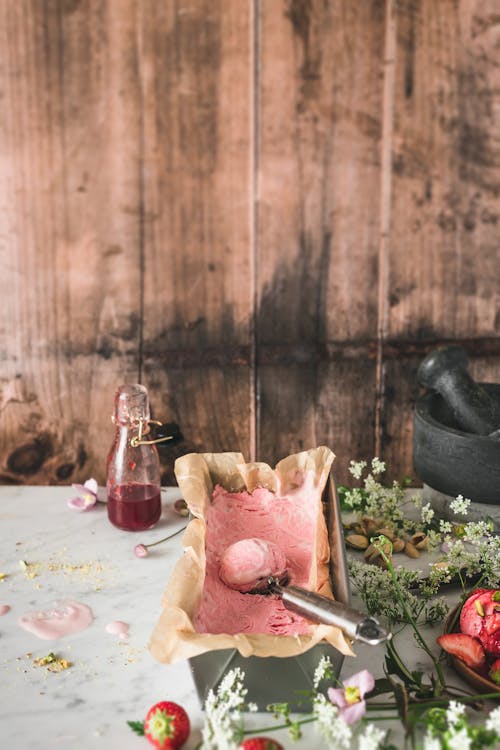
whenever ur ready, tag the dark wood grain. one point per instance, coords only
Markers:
(444, 256)
(267, 212)
(197, 84)
(320, 125)
(70, 194)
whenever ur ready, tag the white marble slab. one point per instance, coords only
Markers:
(83, 557)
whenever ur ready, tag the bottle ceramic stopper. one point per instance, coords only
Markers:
(445, 371)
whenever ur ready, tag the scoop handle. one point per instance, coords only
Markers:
(317, 608)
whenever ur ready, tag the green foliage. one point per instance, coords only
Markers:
(137, 727)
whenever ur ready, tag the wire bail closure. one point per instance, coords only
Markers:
(137, 439)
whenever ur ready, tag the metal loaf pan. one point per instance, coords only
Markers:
(273, 679)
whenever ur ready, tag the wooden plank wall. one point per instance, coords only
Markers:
(265, 211)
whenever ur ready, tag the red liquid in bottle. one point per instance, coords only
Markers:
(134, 507)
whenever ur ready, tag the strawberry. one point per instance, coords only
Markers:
(465, 647)
(480, 618)
(166, 726)
(260, 743)
(494, 672)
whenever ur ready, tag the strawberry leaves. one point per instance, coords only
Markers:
(137, 727)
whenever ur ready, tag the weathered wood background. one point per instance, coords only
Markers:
(265, 211)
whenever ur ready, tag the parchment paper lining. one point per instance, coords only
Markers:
(174, 637)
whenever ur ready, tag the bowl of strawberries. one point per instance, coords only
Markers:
(472, 640)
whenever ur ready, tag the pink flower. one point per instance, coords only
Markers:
(350, 699)
(141, 550)
(87, 495)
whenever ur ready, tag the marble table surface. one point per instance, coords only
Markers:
(81, 556)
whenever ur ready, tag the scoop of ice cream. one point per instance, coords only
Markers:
(480, 618)
(247, 564)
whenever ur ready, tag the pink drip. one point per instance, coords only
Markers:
(118, 628)
(4, 608)
(65, 619)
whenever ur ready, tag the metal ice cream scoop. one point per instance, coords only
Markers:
(317, 608)
(258, 566)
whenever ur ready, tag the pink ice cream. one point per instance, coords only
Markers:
(288, 521)
(480, 618)
(246, 565)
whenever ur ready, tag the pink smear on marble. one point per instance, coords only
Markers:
(4, 608)
(65, 618)
(118, 628)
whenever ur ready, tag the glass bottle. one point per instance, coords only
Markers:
(133, 466)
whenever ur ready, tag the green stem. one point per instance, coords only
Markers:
(411, 621)
(381, 706)
(165, 539)
(396, 717)
(279, 726)
(473, 698)
(392, 649)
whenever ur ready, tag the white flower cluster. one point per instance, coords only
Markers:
(324, 669)
(427, 513)
(493, 721)
(336, 733)
(380, 596)
(476, 552)
(356, 468)
(377, 501)
(458, 733)
(460, 505)
(454, 713)
(378, 466)
(223, 713)
(371, 738)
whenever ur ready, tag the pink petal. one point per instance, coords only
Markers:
(80, 488)
(78, 503)
(353, 713)
(140, 551)
(337, 697)
(363, 680)
(91, 486)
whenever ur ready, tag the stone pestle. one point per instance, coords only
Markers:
(445, 370)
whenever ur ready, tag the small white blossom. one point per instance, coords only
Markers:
(460, 739)
(324, 669)
(353, 498)
(252, 707)
(433, 538)
(223, 713)
(460, 505)
(444, 527)
(454, 712)
(427, 513)
(371, 738)
(333, 729)
(356, 468)
(378, 466)
(476, 531)
(493, 721)
(431, 743)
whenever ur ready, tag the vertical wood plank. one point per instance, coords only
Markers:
(69, 252)
(196, 74)
(320, 94)
(444, 254)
